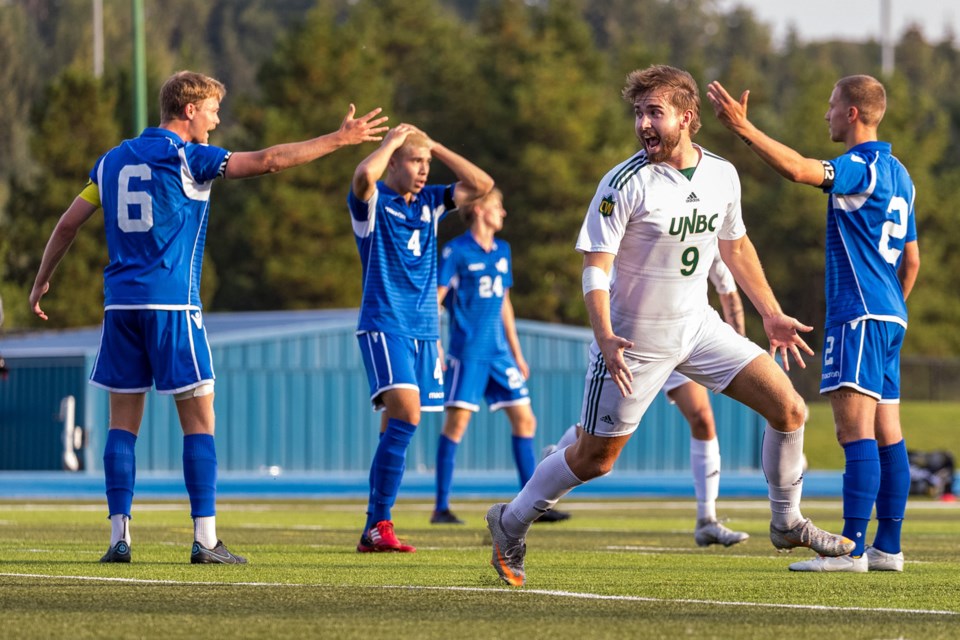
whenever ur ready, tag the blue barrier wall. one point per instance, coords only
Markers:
(292, 393)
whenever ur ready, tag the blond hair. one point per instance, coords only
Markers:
(867, 94)
(468, 210)
(412, 141)
(682, 91)
(187, 87)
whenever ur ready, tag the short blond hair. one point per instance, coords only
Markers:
(187, 87)
(867, 94)
(681, 88)
(468, 210)
(412, 141)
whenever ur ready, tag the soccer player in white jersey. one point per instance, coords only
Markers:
(694, 403)
(648, 240)
(872, 261)
(484, 358)
(154, 192)
(395, 226)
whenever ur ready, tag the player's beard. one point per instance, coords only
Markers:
(668, 142)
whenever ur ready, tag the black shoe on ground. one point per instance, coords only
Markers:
(445, 517)
(119, 552)
(218, 555)
(554, 516)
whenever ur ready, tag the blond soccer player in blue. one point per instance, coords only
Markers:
(154, 195)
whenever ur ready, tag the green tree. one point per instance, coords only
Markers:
(71, 130)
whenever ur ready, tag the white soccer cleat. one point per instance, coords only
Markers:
(848, 564)
(712, 532)
(879, 560)
(550, 449)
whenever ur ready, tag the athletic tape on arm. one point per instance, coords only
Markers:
(595, 278)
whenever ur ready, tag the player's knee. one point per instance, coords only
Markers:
(792, 414)
(701, 425)
(525, 426)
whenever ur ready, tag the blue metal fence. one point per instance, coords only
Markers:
(292, 394)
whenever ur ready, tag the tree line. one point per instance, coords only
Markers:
(529, 90)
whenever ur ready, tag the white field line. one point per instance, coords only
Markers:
(759, 504)
(519, 592)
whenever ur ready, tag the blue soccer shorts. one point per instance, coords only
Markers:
(140, 348)
(397, 362)
(863, 355)
(498, 381)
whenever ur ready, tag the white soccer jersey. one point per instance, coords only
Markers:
(663, 229)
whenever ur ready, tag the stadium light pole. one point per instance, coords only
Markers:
(886, 40)
(97, 38)
(139, 70)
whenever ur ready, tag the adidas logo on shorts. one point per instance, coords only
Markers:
(607, 419)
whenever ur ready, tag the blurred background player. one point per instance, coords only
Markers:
(694, 403)
(154, 192)
(395, 226)
(872, 261)
(484, 359)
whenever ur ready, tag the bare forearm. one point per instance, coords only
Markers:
(783, 159)
(473, 180)
(909, 268)
(246, 164)
(742, 260)
(732, 307)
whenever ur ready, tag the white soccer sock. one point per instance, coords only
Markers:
(552, 480)
(782, 461)
(568, 438)
(205, 531)
(119, 529)
(705, 464)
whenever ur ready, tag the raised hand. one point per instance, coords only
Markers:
(729, 111)
(366, 128)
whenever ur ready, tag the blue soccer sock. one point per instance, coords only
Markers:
(388, 465)
(446, 454)
(200, 474)
(861, 481)
(525, 458)
(892, 497)
(120, 470)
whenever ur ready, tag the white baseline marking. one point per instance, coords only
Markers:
(538, 592)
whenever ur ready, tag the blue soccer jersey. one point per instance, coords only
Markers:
(155, 194)
(397, 242)
(477, 280)
(869, 220)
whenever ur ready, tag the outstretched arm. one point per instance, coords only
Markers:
(786, 161)
(60, 240)
(741, 258)
(366, 128)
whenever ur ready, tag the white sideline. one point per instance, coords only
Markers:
(539, 592)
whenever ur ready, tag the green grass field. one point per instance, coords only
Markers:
(926, 426)
(616, 570)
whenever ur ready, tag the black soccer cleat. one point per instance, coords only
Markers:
(218, 555)
(445, 517)
(554, 516)
(119, 552)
